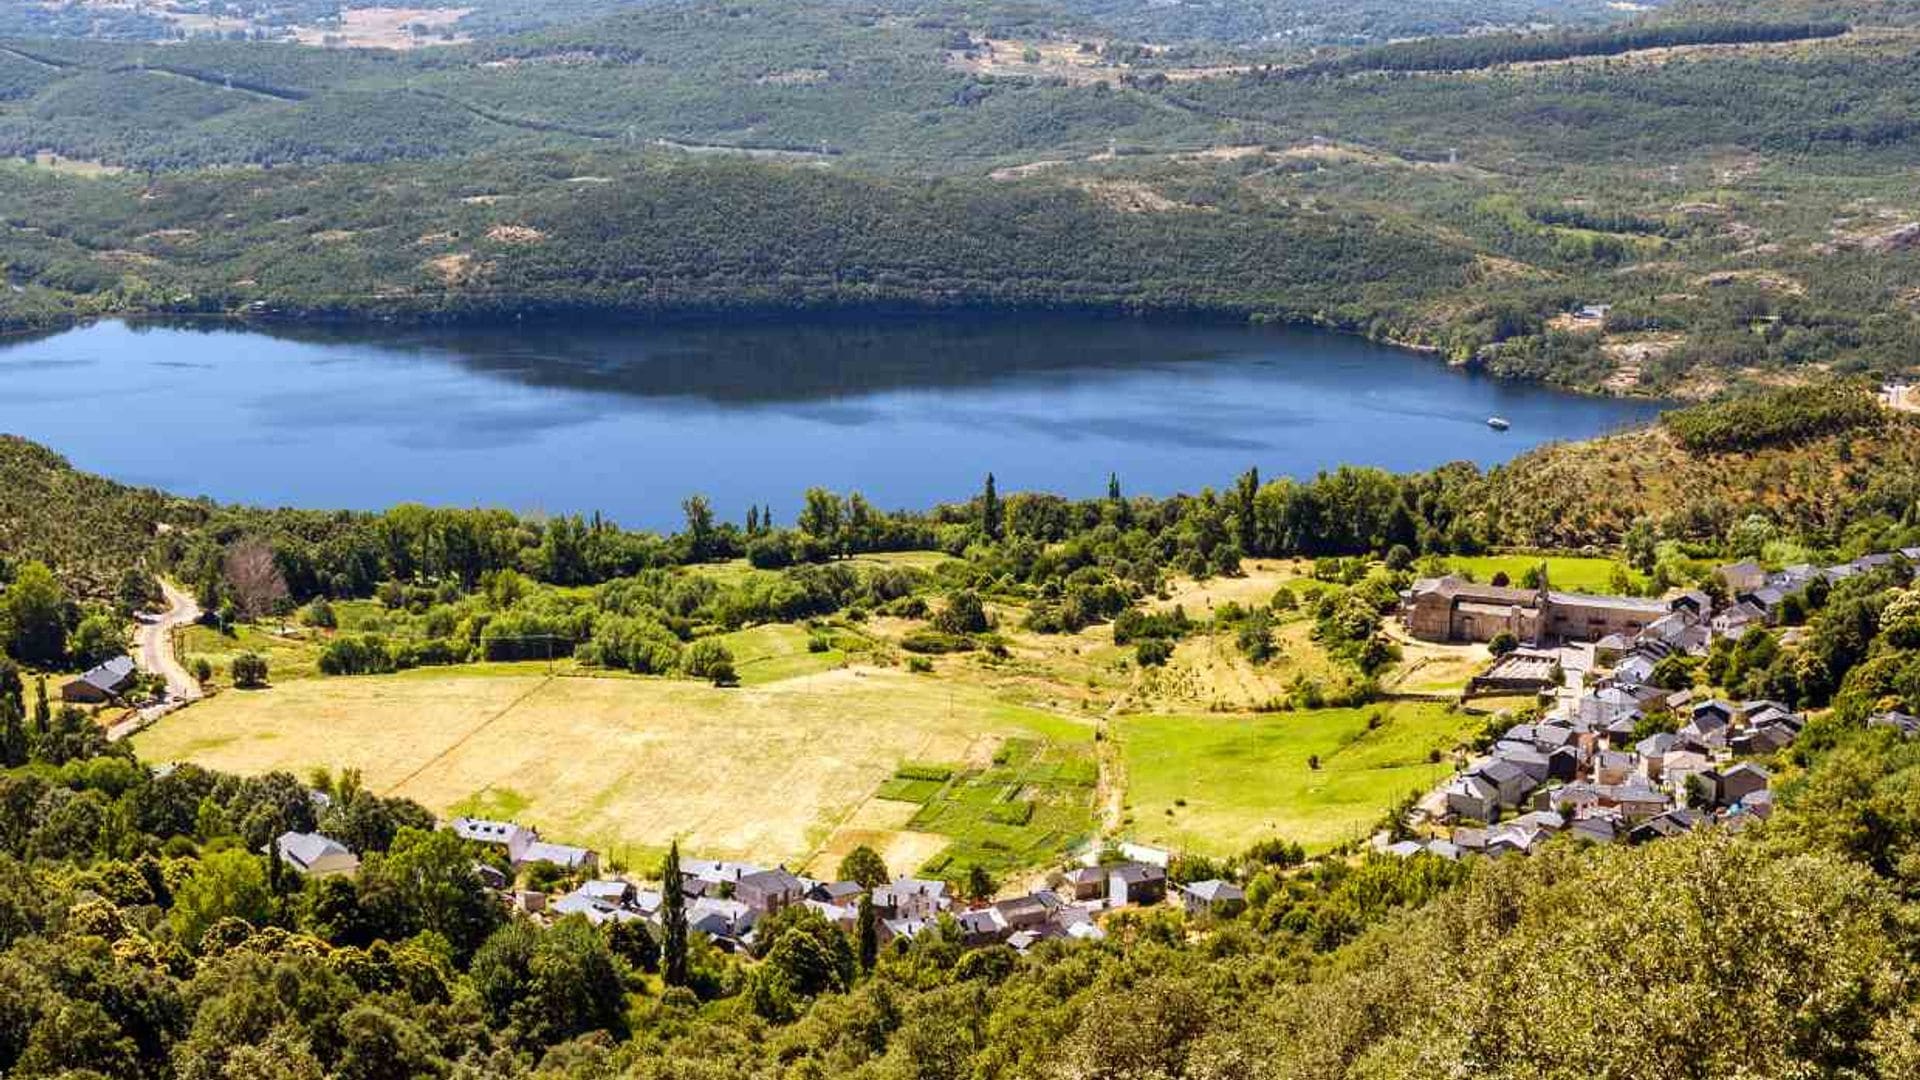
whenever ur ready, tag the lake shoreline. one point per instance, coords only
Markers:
(550, 314)
(630, 418)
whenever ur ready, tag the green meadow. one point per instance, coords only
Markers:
(1217, 783)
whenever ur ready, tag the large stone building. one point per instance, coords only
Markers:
(1455, 609)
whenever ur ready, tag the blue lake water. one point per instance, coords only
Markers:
(629, 420)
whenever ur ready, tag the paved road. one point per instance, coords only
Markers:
(153, 652)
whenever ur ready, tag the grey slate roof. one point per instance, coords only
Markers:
(110, 677)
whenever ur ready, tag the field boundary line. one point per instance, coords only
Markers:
(464, 739)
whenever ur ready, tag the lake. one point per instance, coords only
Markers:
(630, 419)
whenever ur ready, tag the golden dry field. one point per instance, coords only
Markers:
(777, 772)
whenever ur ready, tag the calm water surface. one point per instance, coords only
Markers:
(629, 420)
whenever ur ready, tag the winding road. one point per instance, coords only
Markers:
(153, 652)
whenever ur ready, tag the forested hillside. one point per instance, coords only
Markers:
(1723, 186)
(566, 233)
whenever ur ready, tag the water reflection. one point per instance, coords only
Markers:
(630, 419)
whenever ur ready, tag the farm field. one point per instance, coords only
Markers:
(767, 772)
(1245, 777)
(1570, 573)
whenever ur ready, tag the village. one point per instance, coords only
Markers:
(1612, 754)
(726, 900)
(1607, 755)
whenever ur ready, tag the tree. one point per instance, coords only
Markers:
(673, 920)
(812, 956)
(136, 591)
(1642, 545)
(631, 941)
(225, 884)
(253, 577)
(866, 933)
(864, 867)
(14, 747)
(709, 659)
(555, 984)
(1246, 491)
(820, 517)
(33, 617)
(70, 735)
(992, 514)
(1256, 637)
(963, 614)
(96, 640)
(700, 532)
(426, 882)
(12, 687)
(980, 884)
(42, 710)
(249, 671)
(1619, 582)
(1503, 643)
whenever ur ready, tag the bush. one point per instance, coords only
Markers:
(709, 659)
(964, 614)
(934, 642)
(1153, 652)
(249, 671)
(1503, 643)
(356, 655)
(320, 614)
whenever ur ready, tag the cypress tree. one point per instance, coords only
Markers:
(990, 512)
(867, 933)
(1245, 493)
(14, 750)
(673, 920)
(42, 712)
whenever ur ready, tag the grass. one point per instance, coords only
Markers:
(288, 658)
(776, 651)
(774, 772)
(1571, 573)
(1230, 780)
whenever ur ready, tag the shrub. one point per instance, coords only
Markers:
(709, 659)
(1153, 652)
(249, 671)
(320, 614)
(934, 642)
(964, 614)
